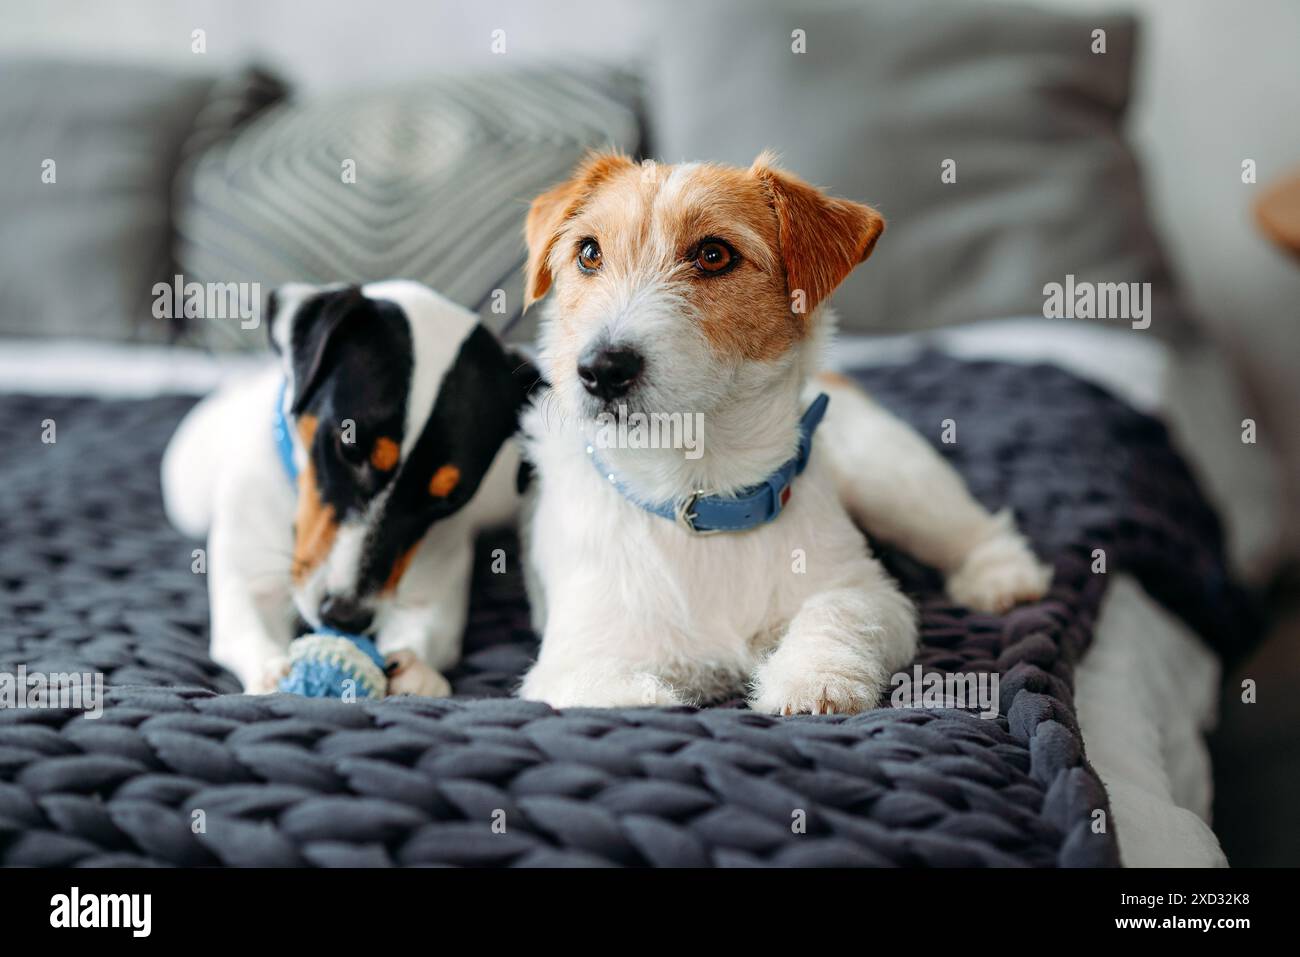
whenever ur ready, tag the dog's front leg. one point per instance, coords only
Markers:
(252, 608)
(580, 667)
(901, 491)
(840, 650)
(422, 633)
(592, 685)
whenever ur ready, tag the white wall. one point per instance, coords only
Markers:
(327, 44)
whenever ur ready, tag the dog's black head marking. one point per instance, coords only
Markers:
(352, 363)
(352, 368)
(476, 411)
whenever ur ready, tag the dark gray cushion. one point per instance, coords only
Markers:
(444, 171)
(883, 95)
(79, 256)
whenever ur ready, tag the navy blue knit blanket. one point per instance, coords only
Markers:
(181, 769)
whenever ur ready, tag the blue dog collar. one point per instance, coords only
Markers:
(283, 438)
(757, 505)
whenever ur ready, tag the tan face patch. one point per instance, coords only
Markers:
(315, 527)
(384, 454)
(548, 212)
(444, 481)
(315, 524)
(307, 430)
(650, 222)
(793, 243)
(399, 569)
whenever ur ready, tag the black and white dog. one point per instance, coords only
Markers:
(346, 483)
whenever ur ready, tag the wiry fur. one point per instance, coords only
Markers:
(636, 610)
(222, 475)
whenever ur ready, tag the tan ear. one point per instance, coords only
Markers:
(822, 238)
(550, 211)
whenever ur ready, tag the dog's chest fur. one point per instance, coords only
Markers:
(695, 603)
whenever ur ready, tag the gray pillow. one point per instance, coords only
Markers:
(443, 170)
(884, 94)
(79, 255)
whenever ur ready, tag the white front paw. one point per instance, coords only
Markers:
(268, 678)
(410, 675)
(792, 684)
(1000, 573)
(599, 690)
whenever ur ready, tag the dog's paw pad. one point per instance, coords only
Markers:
(813, 694)
(999, 574)
(268, 681)
(409, 675)
(600, 690)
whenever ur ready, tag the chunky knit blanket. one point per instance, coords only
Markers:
(182, 769)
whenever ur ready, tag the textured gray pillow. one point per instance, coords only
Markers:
(1045, 184)
(79, 256)
(444, 171)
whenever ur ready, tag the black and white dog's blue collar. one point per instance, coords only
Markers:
(704, 514)
(283, 438)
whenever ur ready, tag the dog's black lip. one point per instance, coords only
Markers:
(592, 407)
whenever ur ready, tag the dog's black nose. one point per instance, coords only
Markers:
(345, 614)
(609, 373)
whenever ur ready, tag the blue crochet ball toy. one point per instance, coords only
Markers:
(330, 664)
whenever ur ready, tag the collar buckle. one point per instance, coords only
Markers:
(684, 515)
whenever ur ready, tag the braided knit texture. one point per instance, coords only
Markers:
(181, 769)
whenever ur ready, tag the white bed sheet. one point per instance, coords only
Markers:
(1145, 692)
(1147, 689)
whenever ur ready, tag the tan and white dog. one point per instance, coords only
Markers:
(700, 290)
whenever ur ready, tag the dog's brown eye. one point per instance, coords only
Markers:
(589, 255)
(714, 256)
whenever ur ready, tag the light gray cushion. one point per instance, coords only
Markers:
(883, 95)
(444, 171)
(79, 256)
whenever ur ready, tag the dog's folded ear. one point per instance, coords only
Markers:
(477, 410)
(282, 304)
(822, 238)
(269, 310)
(304, 330)
(550, 210)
